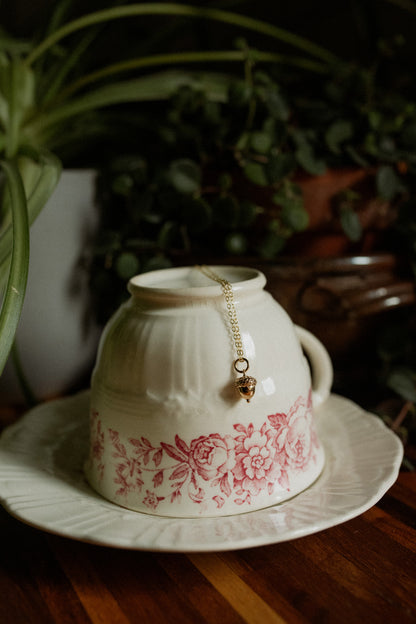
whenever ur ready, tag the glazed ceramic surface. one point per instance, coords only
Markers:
(169, 433)
(42, 483)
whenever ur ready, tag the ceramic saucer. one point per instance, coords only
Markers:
(42, 484)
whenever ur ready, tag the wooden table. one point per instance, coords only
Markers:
(361, 571)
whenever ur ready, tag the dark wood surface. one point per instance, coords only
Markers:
(361, 571)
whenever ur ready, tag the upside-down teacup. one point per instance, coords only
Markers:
(169, 432)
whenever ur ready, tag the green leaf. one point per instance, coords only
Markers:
(152, 8)
(262, 78)
(167, 59)
(269, 125)
(271, 245)
(156, 263)
(293, 213)
(196, 214)
(226, 211)
(54, 79)
(286, 199)
(135, 165)
(276, 104)
(288, 191)
(169, 232)
(388, 183)
(59, 15)
(243, 141)
(40, 172)
(279, 167)
(122, 184)
(144, 202)
(305, 156)
(225, 181)
(375, 119)
(17, 84)
(167, 205)
(295, 216)
(350, 223)
(236, 243)
(12, 45)
(185, 175)
(403, 381)
(108, 241)
(394, 342)
(19, 267)
(305, 153)
(154, 87)
(260, 142)
(356, 157)
(239, 93)
(127, 265)
(337, 133)
(248, 213)
(255, 172)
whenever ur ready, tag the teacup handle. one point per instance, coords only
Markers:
(322, 371)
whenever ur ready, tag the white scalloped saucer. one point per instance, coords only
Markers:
(42, 484)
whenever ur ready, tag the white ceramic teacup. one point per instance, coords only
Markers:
(170, 434)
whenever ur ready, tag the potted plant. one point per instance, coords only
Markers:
(44, 99)
(245, 177)
(232, 180)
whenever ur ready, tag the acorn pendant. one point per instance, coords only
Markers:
(246, 386)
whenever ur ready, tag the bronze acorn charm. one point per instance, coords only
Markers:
(246, 386)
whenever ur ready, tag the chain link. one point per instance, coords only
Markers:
(245, 385)
(227, 290)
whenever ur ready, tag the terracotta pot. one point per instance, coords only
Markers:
(320, 191)
(342, 300)
(325, 236)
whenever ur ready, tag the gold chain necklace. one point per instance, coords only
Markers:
(245, 385)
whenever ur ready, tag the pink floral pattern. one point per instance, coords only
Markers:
(212, 467)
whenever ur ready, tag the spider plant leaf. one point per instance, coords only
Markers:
(17, 86)
(168, 8)
(12, 45)
(39, 174)
(41, 171)
(55, 78)
(158, 86)
(187, 57)
(19, 265)
(59, 15)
